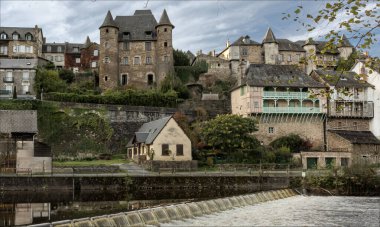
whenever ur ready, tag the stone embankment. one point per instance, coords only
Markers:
(158, 215)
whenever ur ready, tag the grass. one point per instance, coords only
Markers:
(114, 160)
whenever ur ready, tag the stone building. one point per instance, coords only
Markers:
(19, 150)
(55, 52)
(305, 53)
(160, 140)
(135, 50)
(18, 74)
(73, 56)
(18, 42)
(89, 56)
(284, 100)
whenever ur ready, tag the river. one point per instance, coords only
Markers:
(297, 211)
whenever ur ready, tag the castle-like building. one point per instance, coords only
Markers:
(135, 50)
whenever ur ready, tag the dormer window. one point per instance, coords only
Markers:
(48, 48)
(59, 49)
(148, 34)
(3, 36)
(29, 37)
(126, 35)
(76, 49)
(15, 36)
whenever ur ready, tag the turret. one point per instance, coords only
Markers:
(108, 53)
(311, 49)
(164, 47)
(270, 46)
(344, 47)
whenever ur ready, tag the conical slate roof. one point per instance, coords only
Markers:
(87, 43)
(269, 37)
(108, 21)
(164, 20)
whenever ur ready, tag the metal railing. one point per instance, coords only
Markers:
(291, 110)
(285, 95)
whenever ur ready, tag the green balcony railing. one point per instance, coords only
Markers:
(285, 95)
(291, 110)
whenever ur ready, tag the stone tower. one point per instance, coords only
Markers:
(270, 48)
(345, 48)
(164, 47)
(108, 54)
(310, 56)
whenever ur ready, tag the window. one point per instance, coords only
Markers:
(148, 46)
(48, 48)
(76, 49)
(25, 75)
(280, 57)
(298, 57)
(166, 59)
(165, 29)
(124, 79)
(355, 125)
(77, 60)
(179, 150)
(59, 49)
(165, 44)
(28, 49)
(150, 79)
(106, 45)
(96, 52)
(289, 57)
(28, 37)
(3, 49)
(165, 149)
(75, 69)
(8, 77)
(256, 104)
(107, 30)
(93, 64)
(125, 61)
(271, 130)
(136, 61)
(15, 36)
(344, 162)
(148, 34)
(9, 88)
(126, 45)
(106, 78)
(106, 60)
(25, 89)
(3, 36)
(148, 60)
(242, 91)
(244, 52)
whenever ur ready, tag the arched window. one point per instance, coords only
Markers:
(124, 79)
(3, 36)
(28, 37)
(150, 79)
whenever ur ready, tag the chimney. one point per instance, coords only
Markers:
(228, 43)
(214, 53)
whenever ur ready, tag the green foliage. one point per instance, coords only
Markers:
(222, 87)
(49, 66)
(230, 133)
(346, 65)
(173, 83)
(180, 58)
(66, 75)
(283, 155)
(127, 97)
(292, 141)
(191, 73)
(18, 104)
(48, 81)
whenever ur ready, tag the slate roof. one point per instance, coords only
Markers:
(148, 132)
(21, 31)
(240, 42)
(18, 63)
(18, 121)
(357, 137)
(54, 47)
(262, 75)
(70, 47)
(164, 20)
(142, 21)
(108, 21)
(269, 37)
(287, 45)
(342, 79)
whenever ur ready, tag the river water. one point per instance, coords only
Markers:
(297, 211)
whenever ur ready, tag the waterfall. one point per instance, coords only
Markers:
(204, 207)
(173, 213)
(161, 215)
(120, 220)
(195, 209)
(185, 211)
(212, 205)
(134, 219)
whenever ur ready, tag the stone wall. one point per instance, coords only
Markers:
(352, 124)
(18, 80)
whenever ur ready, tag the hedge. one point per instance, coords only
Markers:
(129, 97)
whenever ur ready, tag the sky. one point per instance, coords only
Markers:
(199, 25)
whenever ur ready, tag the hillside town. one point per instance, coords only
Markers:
(281, 84)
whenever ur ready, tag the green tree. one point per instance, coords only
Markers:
(66, 75)
(48, 81)
(360, 25)
(180, 58)
(230, 133)
(172, 82)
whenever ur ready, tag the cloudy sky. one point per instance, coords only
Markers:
(201, 24)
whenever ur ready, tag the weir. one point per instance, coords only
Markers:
(165, 214)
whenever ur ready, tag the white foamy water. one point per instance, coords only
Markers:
(296, 211)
